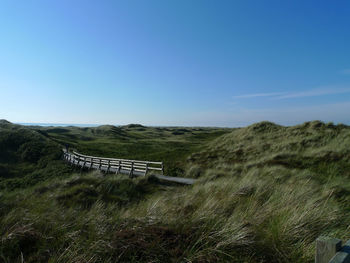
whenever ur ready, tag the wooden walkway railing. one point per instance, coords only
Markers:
(121, 166)
(111, 165)
(331, 250)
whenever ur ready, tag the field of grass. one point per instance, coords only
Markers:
(264, 194)
(172, 145)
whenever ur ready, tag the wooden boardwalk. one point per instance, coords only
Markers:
(122, 166)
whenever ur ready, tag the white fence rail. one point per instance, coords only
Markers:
(123, 166)
(112, 165)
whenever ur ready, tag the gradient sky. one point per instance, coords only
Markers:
(183, 62)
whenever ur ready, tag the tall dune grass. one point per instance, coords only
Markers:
(264, 193)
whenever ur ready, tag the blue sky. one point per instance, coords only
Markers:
(185, 62)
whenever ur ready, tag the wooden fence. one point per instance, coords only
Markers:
(331, 250)
(123, 166)
(112, 165)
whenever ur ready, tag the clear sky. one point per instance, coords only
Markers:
(179, 62)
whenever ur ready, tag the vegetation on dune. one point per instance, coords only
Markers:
(27, 157)
(312, 145)
(67, 220)
(264, 193)
(172, 145)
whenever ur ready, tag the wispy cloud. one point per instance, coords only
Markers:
(345, 71)
(314, 93)
(255, 95)
(299, 94)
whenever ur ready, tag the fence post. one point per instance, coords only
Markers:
(109, 166)
(131, 170)
(326, 248)
(91, 162)
(118, 170)
(71, 160)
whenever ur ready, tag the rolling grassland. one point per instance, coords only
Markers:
(263, 193)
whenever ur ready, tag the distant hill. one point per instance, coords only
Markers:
(305, 146)
(131, 126)
(26, 156)
(2, 121)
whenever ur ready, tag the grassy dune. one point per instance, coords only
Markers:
(264, 193)
(27, 157)
(172, 145)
